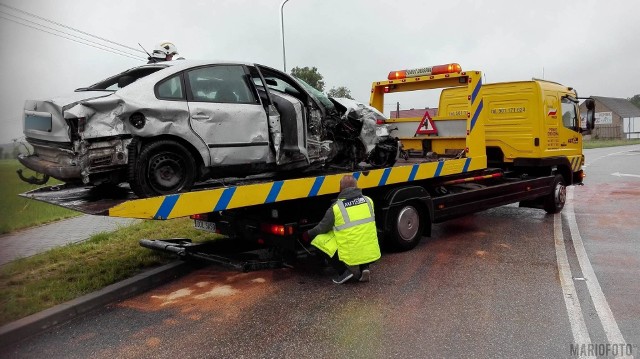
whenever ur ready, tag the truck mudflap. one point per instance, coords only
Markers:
(186, 250)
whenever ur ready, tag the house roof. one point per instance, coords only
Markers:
(623, 107)
(414, 113)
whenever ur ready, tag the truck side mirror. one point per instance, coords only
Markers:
(591, 113)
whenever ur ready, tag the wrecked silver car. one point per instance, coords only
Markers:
(163, 127)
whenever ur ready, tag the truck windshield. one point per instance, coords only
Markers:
(123, 79)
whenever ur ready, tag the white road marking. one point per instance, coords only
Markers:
(609, 324)
(587, 164)
(571, 301)
(618, 174)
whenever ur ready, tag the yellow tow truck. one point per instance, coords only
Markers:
(489, 145)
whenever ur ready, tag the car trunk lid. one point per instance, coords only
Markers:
(44, 119)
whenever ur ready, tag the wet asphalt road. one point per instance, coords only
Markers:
(485, 285)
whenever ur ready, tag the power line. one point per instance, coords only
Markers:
(70, 28)
(66, 33)
(80, 42)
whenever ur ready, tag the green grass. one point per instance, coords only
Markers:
(17, 212)
(609, 143)
(42, 281)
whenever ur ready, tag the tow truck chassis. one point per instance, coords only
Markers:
(186, 250)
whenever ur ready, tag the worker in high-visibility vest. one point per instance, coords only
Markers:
(347, 233)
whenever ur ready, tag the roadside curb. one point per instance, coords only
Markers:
(38, 322)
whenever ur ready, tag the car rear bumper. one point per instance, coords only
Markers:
(55, 170)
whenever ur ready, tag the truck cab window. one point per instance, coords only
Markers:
(569, 114)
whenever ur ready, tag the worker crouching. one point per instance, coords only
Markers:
(347, 233)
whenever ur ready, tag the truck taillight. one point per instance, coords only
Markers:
(425, 71)
(380, 122)
(276, 229)
(199, 216)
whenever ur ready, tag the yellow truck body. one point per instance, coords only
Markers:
(525, 120)
(527, 125)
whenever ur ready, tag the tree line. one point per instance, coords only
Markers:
(311, 76)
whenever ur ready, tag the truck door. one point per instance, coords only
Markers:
(562, 126)
(226, 113)
(570, 138)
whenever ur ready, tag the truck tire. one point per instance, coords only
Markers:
(163, 167)
(405, 227)
(554, 202)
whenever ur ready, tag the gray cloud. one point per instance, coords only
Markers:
(591, 45)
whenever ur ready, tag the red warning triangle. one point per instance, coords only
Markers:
(427, 126)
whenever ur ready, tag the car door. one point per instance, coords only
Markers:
(291, 101)
(226, 113)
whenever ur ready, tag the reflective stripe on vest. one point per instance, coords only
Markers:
(347, 221)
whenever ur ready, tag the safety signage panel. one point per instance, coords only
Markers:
(427, 126)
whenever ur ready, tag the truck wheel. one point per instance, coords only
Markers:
(554, 202)
(406, 228)
(163, 167)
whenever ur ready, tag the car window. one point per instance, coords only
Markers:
(123, 79)
(222, 83)
(170, 88)
(318, 94)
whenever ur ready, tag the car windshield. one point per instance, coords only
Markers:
(123, 79)
(318, 94)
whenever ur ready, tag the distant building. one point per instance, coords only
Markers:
(413, 113)
(616, 118)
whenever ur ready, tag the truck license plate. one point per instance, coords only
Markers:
(205, 226)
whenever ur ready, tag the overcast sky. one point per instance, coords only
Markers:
(591, 45)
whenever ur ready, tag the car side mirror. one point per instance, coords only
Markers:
(271, 82)
(591, 113)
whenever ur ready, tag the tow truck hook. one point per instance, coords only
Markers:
(33, 179)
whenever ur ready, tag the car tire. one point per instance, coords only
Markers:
(405, 227)
(554, 201)
(162, 167)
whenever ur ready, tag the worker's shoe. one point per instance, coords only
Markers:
(345, 276)
(365, 275)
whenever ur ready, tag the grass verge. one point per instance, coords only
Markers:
(42, 281)
(609, 143)
(17, 212)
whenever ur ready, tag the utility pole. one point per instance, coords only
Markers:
(284, 57)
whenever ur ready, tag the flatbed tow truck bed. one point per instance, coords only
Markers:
(235, 193)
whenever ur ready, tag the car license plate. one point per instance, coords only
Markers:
(205, 226)
(38, 121)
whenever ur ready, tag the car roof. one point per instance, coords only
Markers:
(185, 64)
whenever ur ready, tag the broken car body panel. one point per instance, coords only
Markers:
(194, 119)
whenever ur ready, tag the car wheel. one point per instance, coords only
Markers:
(163, 167)
(405, 227)
(554, 202)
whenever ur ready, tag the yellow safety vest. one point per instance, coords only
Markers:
(354, 233)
